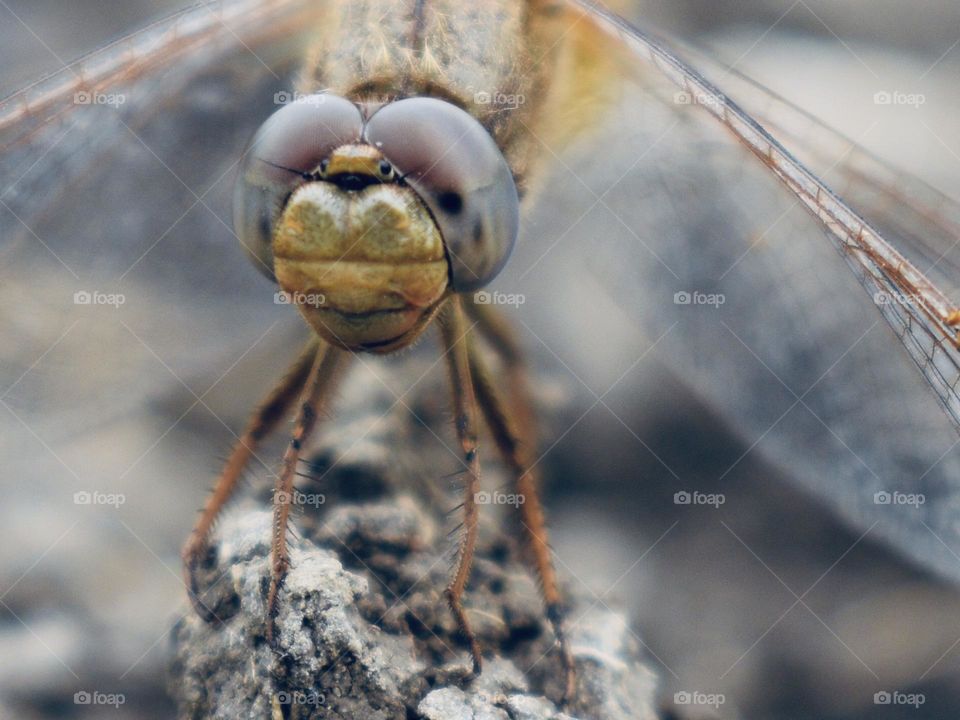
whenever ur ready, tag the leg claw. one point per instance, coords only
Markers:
(193, 556)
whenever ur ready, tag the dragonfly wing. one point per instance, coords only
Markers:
(136, 334)
(121, 273)
(735, 262)
(920, 220)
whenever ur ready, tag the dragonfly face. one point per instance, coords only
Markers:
(368, 215)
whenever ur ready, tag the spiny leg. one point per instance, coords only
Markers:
(519, 453)
(316, 398)
(454, 330)
(263, 421)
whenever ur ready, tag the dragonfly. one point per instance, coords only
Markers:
(694, 213)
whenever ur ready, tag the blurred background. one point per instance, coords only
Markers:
(773, 600)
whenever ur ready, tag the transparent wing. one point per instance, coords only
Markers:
(121, 274)
(922, 315)
(136, 334)
(920, 220)
(684, 219)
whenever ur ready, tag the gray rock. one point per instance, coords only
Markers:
(363, 629)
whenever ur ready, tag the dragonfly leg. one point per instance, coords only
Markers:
(501, 336)
(514, 435)
(454, 329)
(316, 397)
(263, 421)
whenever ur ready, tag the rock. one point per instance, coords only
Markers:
(363, 630)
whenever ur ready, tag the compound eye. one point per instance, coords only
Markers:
(287, 151)
(454, 165)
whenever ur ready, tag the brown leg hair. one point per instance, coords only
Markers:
(316, 399)
(516, 441)
(264, 420)
(454, 330)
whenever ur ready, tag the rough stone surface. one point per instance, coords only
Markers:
(363, 629)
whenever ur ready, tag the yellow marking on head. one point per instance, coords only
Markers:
(360, 159)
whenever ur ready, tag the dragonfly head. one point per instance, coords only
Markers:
(369, 217)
